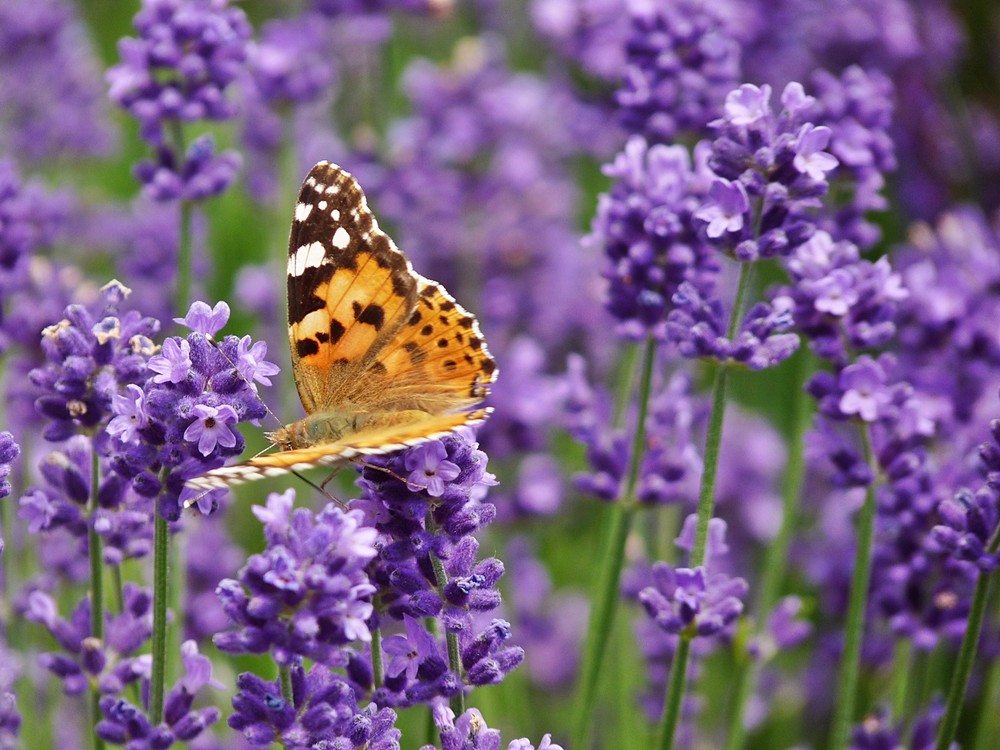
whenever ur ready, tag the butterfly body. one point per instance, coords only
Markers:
(382, 358)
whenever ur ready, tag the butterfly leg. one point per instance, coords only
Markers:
(385, 470)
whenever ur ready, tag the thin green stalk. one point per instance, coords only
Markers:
(902, 672)
(966, 656)
(457, 702)
(182, 293)
(285, 681)
(706, 506)
(96, 585)
(776, 558)
(119, 591)
(377, 671)
(675, 694)
(161, 549)
(847, 683)
(987, 726)
(713, 439)
(612, 557)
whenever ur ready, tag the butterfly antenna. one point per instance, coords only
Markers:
(320, 488)
(212, 340)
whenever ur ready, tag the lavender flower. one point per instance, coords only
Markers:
(111, 663)
(307, 595)
(857, 106)
(780, 162)
(682, 60)
(592, 33)
(52, 104)
(469, 732)
(684, 600)
(92, 354)
(177, 71)
(427, 567)
(9, 451)
(323, 712)
(841, 300)
(125, 724)
(183, 420)
(645, 226)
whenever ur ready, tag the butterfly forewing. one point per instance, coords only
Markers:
(349, 288)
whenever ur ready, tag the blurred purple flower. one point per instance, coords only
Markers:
(125, 724)
(681, 61)
(51, 100)
(9, 451)
(645, 227)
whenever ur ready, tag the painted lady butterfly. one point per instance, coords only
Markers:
(383, 358)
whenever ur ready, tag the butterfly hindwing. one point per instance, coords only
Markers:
(437, 361)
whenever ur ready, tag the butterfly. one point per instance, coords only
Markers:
(383, 358)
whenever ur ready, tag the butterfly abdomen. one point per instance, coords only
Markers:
(329, 427)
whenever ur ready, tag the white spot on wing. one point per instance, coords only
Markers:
(302, 211)
(334, 214)
(307, 256)
(322, 205)
(341, 238)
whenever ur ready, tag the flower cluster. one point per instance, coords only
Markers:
(322, 711)
(470, 732)
(9, 451)
(92, 355)
(842, 302)
(690, 602)
(426, 503)
(112, 662)
(125, 724)
(307, 596)
(857, 107)
(681, 62)
(180, 422)
(52, 102)
(671, 463)
(771, 168)
(289, 67)
(177, 71)
(645, 226)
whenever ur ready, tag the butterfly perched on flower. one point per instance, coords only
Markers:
(383, 358)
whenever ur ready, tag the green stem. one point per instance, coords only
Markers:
(713, 439)
(902, 673)
(966, 656)
(94, 547)
(675, 694)
(182, 298)
(706, 507)
(613, 557)
(847, 683)
(987, 727)
(119, 592)
(96, 583)
(285, 681)
(776, 557)
(377, 673)
(161, 549)
(457, 702)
